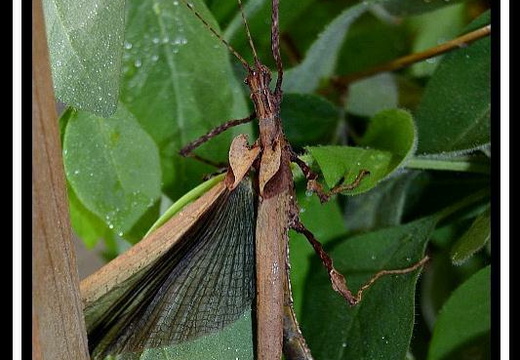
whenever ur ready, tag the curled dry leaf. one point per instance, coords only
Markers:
(241, 157)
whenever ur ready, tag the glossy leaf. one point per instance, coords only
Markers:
(89, 227)
(388, 141)
(112, 165)
(306, 77)
(177, 82)
(453, 115)
(473, 239)
(465, 316)
(85, 46)
(380, 326)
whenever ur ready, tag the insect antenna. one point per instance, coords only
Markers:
(248, 33)
(275, 46)
(215, 32)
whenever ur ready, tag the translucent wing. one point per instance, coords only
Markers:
(200, 285)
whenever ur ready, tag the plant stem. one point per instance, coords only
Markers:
(448, 165)
(459, 42)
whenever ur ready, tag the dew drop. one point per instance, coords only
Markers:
(138, 63)
(128, 45)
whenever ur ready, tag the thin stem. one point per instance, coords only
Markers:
(459, 42)
(447, 165)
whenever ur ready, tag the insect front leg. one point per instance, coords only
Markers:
(339, 283)
(187, 151)
(314, 186)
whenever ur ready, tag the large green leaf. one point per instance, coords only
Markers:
(473, 239)
(464, 317)
(313, 215)
(388, 142)
(434, 28)
(308, 119)
(454, 114)
(380, 326)
(89, 227)
(369, 96)
(383, 205)
(178, 83)
(85, 46)
(232, 342)
(258, 13)
(112, 165)
(306, 77)
(409, 7)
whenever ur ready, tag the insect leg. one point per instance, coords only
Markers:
(188, 149)
(338, 281)
(314, 186)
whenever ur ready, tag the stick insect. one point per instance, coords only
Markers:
(176, 292)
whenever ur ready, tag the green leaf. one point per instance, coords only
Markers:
(313, 215)
(409, 7)
(434, 28)
(388, 141)
(369, 96)
(473, 240)
(86, 225)
(380, 326)
(465, 316)
(178, 83)
(308, 119)
(112, 165)
(373, 42)
(85, 46)
(257, 12)
(185, 200)
(233, 342)
(306, 77)
(453, 115)
(383, 205)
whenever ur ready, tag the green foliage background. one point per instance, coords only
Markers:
(143, 78)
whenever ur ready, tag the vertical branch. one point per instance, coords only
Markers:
(58, 328)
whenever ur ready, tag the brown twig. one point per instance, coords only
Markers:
(459, 42)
